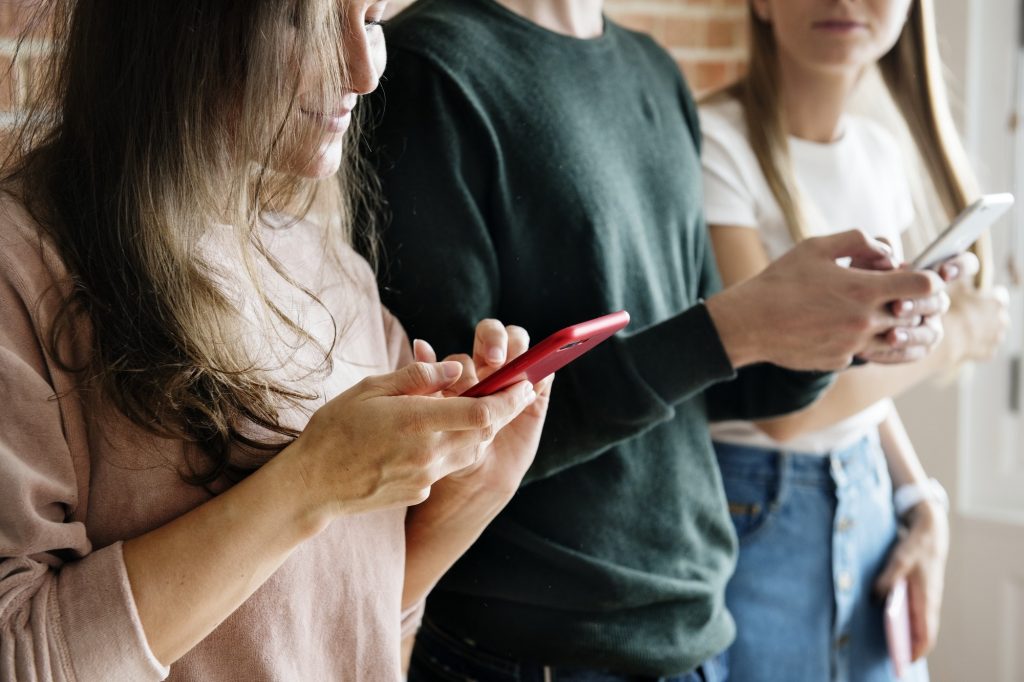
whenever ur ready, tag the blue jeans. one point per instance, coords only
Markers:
(442, 657)
(815, 532)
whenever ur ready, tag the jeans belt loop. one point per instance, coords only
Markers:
(783, 463)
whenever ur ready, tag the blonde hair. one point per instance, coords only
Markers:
(154, 122)
(911, 71)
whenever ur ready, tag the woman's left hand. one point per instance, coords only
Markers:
(461, 504)
(511, 452)
(920, 557)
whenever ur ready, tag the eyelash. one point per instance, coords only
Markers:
(374, 22)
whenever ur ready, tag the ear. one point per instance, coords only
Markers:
(762, 9)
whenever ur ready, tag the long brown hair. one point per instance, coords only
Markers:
(912, 74)
(153, 122)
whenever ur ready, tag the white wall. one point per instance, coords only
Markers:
(964, 432)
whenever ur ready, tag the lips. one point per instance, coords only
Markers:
(839, 25)
(335, 121)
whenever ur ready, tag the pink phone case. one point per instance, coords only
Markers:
(897, 628)
(551, 354)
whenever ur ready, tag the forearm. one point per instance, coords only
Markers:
(855, 390)
(190, 574)
(440, 530)
(900, 455)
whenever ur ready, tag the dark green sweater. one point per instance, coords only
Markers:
(545, 180)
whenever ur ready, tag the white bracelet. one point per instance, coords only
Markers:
(910, 495)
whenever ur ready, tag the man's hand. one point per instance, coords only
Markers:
(807, 312)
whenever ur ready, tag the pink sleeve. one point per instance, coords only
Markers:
(66, 611)
(412, 617)
(399, 346)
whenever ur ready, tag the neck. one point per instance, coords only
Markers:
(574, 18)
(814, 100)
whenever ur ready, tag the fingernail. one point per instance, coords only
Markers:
(451, 369)
(900, 336)
(952, 271)
(906, 306)
(496, 355)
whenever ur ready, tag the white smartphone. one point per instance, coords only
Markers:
(964, 230)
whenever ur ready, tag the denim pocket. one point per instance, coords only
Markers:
(754, 495)
(747, 518)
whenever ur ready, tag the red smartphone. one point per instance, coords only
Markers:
(551, 354)
(897, 628)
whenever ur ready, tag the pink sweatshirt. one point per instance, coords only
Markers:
(77, 478)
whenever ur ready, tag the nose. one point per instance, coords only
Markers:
(360, 62)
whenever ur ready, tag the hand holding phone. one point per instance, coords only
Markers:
(965, 229)
(551, 354)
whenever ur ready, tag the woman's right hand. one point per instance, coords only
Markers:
(386, 440)
(978, 321)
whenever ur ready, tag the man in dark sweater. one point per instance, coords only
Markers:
(541, 166)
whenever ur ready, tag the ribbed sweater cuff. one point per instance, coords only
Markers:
(99, 623)
(682, 355)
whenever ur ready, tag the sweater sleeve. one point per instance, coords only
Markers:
(440, 161)
(66, 611)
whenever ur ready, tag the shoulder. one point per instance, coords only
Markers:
(642, 44)
(726, 144)
(448, 55)
(29, 263)
(735, 189)
(34, 284)
(451, 36)
(721, 119)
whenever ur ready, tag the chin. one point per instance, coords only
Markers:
(319, 171)
(324, 164)
(841, 60)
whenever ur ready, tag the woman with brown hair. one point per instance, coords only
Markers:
(811, 494)
(213, 433)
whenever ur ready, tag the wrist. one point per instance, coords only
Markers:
(924, 498)
(929, 525)
(926, 513)
(289, 487)
(737, 332)
(469, 498)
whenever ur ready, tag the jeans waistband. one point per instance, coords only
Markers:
(851, 462)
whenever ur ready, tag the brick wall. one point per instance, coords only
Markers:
(706, 37)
